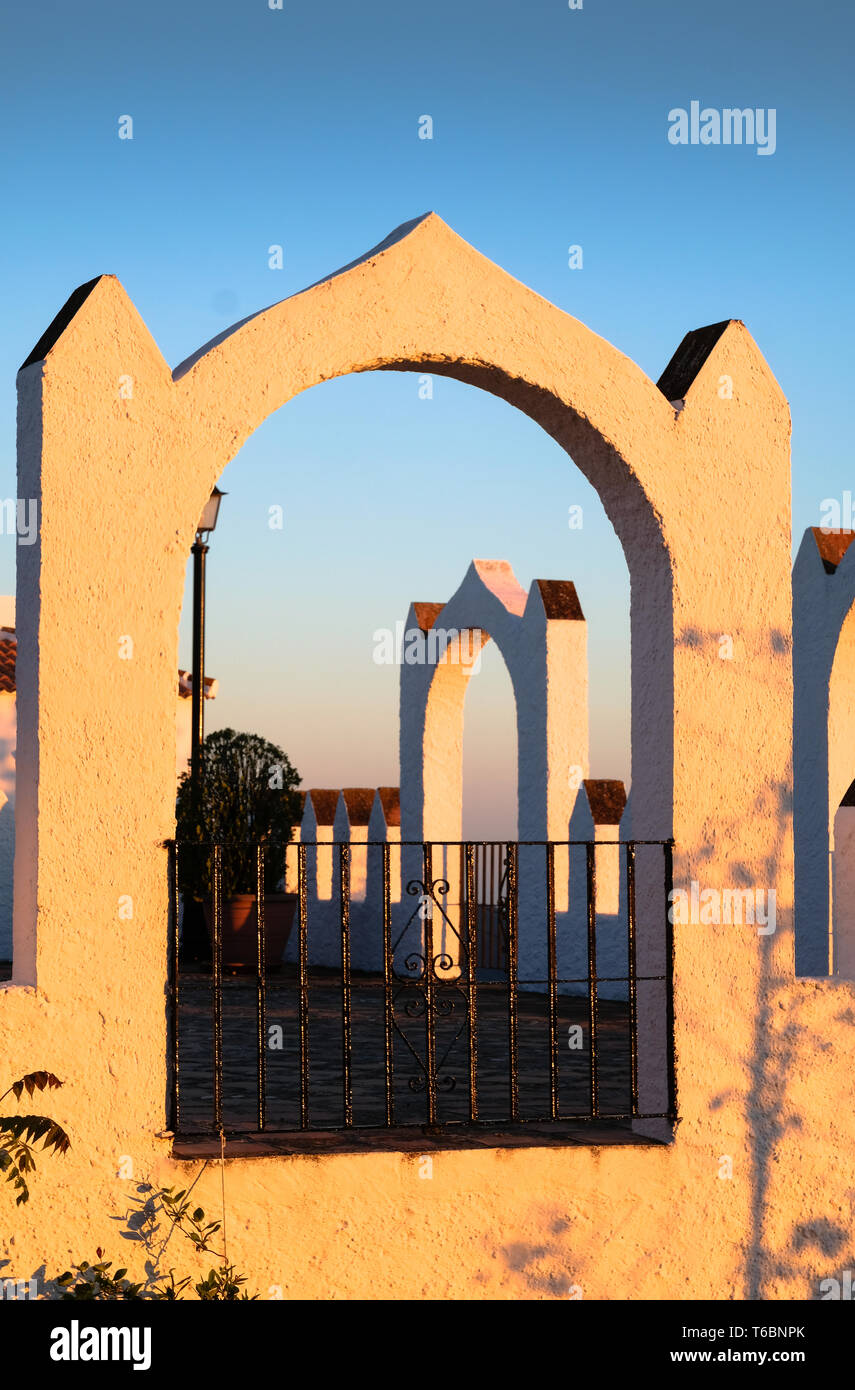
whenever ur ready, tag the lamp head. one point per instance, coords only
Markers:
(208, 519)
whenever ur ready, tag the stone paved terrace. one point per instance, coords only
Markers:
(326, 1070)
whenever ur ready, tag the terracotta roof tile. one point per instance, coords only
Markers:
(832, 546)
(560, 599)
(324, 802)
(358, 801)
(687, 361)
(607, 800)
(8, 651)
(390, 800)
(427, 614)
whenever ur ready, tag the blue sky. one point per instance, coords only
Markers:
(299, 127)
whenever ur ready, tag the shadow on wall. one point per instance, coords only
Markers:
(802, 1031)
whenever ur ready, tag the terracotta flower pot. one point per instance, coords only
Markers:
(240, 930)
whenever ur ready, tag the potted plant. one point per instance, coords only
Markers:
(246, 797)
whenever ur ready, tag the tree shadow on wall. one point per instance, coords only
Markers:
(787, 1030)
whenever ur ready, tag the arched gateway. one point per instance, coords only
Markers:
(693, 474)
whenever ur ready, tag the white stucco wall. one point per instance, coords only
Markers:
(689, 494)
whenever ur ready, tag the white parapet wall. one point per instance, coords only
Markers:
(351, 817)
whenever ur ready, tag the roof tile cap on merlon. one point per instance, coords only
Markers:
(390, 804)
(556, 599)
(832, 546)
(324, 801)
(607, 800)
(358, 802)
(426, 614)
(8, 654)
(696, 347)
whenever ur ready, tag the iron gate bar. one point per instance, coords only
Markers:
(388, 1004)
(512, 981)
(591, 900)
(552, 970)
(261, 964)
(472, 952)
(347, 1041)
(633, 983)
(494, 908)
(484, 898)
(430, 1003)
(174, 1115)
(303, 953)
(217, 988)
(669, 980)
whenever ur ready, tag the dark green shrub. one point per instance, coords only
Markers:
(248, 797)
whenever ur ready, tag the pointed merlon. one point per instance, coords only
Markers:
(687, 361)
(498, 577)
(60, 322)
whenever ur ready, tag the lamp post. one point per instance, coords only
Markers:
(194, 934)
(207, 523)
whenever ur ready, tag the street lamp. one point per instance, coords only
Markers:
(207, 523)
(194, 934)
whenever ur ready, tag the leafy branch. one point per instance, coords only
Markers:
(19, 1134)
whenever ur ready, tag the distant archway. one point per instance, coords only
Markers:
(543, 639)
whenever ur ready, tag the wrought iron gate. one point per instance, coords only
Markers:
(449, 1030)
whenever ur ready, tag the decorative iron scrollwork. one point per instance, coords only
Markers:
(426, 993)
